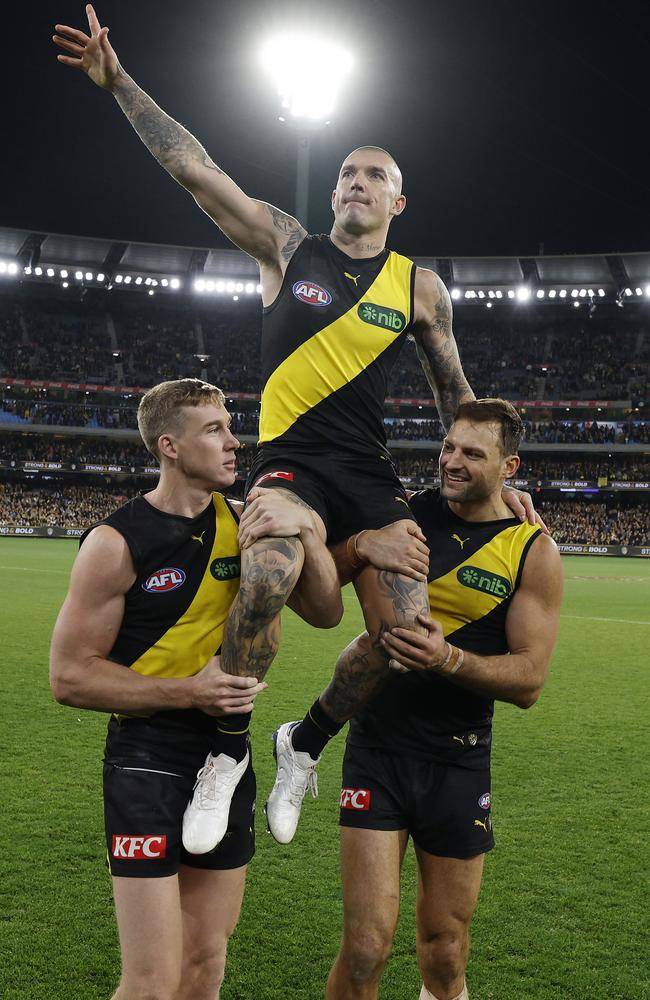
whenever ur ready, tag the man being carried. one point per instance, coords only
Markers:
(337, 311)
(417, 760)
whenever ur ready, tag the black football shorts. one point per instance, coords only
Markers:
(446, 809)
(350, 492)
(150, 767)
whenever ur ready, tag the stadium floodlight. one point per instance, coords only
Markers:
(89, 275)
(540, 293)
(308, 72)
(221, 287)
(27, 269)
(230, 287)
(455, 293)
(164, 282)
(50, 272)
(488, 305)
(63, 273)
(552, 293)
(511, 293)
(199, 285)
(601, 293)
(628, 291)
(499, 293)
(79, 275)
(64, 284)
(638, 291)
(647, 290)
(175, 283)
(3, 267)
(582, 293)
(258, 289)
(12, 268)
(138, 280)
(563, 293)
(119, 278)
(38, 271)
(250, 287)
(577, 305)
(151, 291)
(127, 279)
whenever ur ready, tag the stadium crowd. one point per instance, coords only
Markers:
(579, 523)
(575, 522)
(540, 355)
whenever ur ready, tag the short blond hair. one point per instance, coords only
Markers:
(161, 408)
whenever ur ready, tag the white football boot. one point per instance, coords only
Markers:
(296, 772)
(205, 820)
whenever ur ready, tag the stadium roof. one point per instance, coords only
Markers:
(28, 250)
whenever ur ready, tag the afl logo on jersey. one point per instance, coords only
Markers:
(311, 293)
(164, 580)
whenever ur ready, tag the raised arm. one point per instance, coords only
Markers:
(85, 632)
(436, 346)
(264, 232)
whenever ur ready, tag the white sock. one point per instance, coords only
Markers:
(425, 995)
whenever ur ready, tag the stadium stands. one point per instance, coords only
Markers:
(74, 362)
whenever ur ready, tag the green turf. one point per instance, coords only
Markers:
(563, 912)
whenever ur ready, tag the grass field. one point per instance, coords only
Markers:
(564, 909)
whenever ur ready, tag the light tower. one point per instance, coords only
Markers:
(308, 75)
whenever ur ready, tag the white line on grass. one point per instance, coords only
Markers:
(34, 569)
(588, 618)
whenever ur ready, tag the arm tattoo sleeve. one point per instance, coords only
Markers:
(438, 354)
(290, 228)
(173, 146)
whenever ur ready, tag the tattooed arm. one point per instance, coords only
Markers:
(436, 346)
(266, 233)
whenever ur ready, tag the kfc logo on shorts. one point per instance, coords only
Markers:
(485, 800)
(355, 798)
(148, 848)
(163, 580)
(311, 293)
(274, 475)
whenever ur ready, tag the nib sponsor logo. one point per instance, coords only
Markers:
(355, 798)
(139, 848)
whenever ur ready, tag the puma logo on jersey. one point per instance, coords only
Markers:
(352, 277)
(479, 822)
(461, 541)
(198, 538)
(401, 500)
(459, 739)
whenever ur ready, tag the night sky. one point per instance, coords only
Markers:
(516, 123)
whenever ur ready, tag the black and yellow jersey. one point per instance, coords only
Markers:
(475, 568)
(329, 342)
(187, 576)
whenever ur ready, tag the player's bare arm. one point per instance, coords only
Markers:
(85, 632)
(531, 630)
(266, 233)
(277, 513)
(400, 548)
(436, 345)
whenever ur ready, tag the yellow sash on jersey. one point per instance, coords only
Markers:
(186, 647)
(339, 352)
(475, 586)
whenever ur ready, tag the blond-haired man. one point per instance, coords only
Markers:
(137, 635)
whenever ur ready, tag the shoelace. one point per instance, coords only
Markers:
(208, 783)
(300, 782)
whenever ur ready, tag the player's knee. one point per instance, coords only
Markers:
(203, 972)
(365, 952)
(442, 955)
(270, 569)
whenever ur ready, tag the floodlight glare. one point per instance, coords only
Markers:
(175, 283)
(455, 293)
(308, 73)
(523, 293)
(12, 268)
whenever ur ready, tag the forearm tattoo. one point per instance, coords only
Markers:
(438, 354)
(252, 633)
(173, 146)
(291, 228)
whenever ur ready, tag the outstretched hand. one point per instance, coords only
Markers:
(91, 53)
